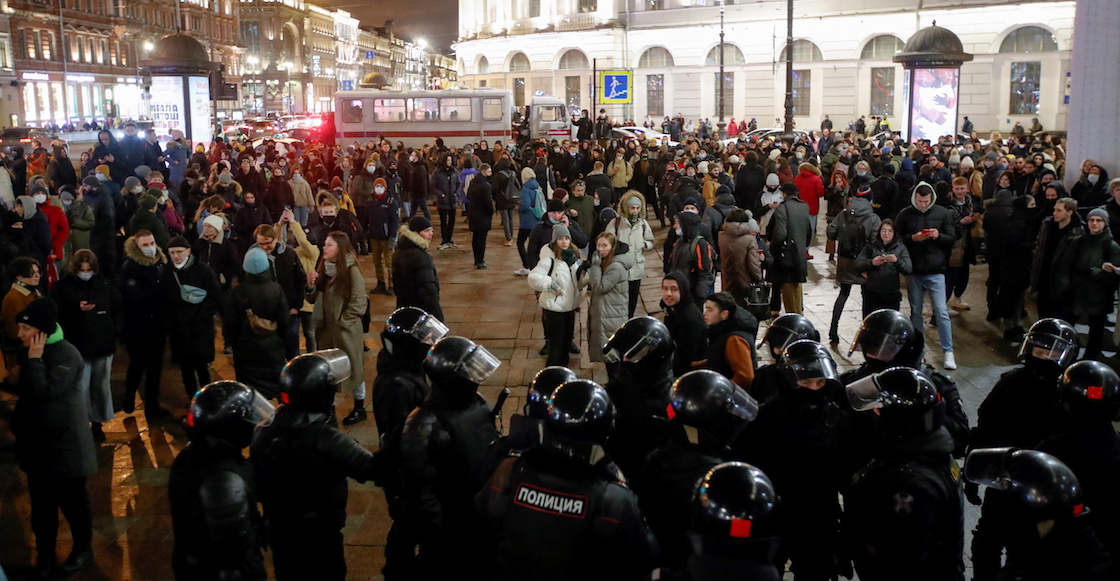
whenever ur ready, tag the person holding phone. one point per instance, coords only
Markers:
(1095, 278)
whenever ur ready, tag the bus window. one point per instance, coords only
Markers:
(491, 109)
(388, 110)
(423, 109)
(551, 113)
(352, 111)
(455, 109)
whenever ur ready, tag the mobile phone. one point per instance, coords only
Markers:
(927, 231)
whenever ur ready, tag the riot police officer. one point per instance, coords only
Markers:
(399, 388)
(640, 392)
(734, 529)
(210, 488)
(558, 500)
(1021, 410)
(301, 464)
(805, 443)
(1047, 522)
(524, 428)
(903, 514)
(1090, 393)
(784, 330)
(888, 339)
(713, 410)
(443, 444)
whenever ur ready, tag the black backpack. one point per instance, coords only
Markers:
(511, 194)
(850, 239)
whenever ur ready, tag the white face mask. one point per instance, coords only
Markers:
(85, 275)
(296, 176)
(379, 190)
(678, 231)
(40, 198)
(137, 189)
(1093, 178)
(101, 177)
(149, 251)
(371, 168)
(180, 265)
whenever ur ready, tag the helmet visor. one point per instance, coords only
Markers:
(339, 364)
(864, 394)
(1046, 347)
(743, 406)
(876, 344)
(261, 411)
(631, 346)
(478, 366)
(428, 330)
(988, 467)
(812, 368)
(778, 338)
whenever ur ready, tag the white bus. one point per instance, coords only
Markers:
(459, 116)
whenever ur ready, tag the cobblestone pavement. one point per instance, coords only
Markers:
(132, 522)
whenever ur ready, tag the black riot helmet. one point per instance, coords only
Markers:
(309, 381)
(1050, 344)
(1037, 485)
(1090, 390)
(227, 412)
(410, 332)
(908, 402)
(544, 384)
(734, 500)
(712, 403)
(807, 359)
(883, 335)
(457, 365)
(580, 419)
(788, 328)
(641, 339)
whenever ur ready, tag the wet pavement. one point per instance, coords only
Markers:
(132, 522)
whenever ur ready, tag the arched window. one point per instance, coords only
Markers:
(881, 48)
(483, 66)
(804, 51)
(655, 58)
(1029, 39)
(519, 63)
(731, 56)
(573, 60)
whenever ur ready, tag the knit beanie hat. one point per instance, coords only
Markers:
(772, 180)
(102, 169)
(131, 182)
(40, 313)
(559, 194)
(178, 242)
(225, 178)
(90, 181)
(1099, 213)
(634, 201)
(256, 261)
(142, 172)
(376, 182)
(419, 223)
(555, 205)
(147, 202)
(559, 231)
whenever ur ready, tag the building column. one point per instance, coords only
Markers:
(1094, 103)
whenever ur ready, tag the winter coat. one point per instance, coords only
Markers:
(445, 187)
(883, 279)
(191, 326)
(609, 305)
(59, 227)
(93, 332)
(505, 177)
(1056, 270)
(637, 236)
(692, 255)
(338, 316)
(620, 173)
(531, 192)
(555, 281)
(595, 180)
(741, 263)
(144, 220)
(176, 156)
(808, 182)
(480, 204)
(81, 219)
(246, 221)
(749, 182)
(686, 326)
(301, 192)
(584, 209)
(308, 255)
(414, 274)
(541, 236)
(853, 229)
(417, 184)
(1010, 245)
(885, 198)
(60, 172)
(1093, 286)
(218, 255)
(930, 256)
(36, 241)
(277, 196)
(50, 420)
(790, 228)
(384, 217)
(142, 291)
(716, 214)
(257, 359)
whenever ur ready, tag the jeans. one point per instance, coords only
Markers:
(289, 331)
(50, 494)
(917, 286)
(478, 245)
(507, 222)
(98, 392)
(446, 224)
(522, 248)
(813, 226)
(421, 204)
(302, 213)
(308, 332)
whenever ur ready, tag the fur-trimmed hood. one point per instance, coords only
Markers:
(414, 237)
(133, 253)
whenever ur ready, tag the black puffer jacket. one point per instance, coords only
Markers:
(257, 359)
(92, 332)
(1009, 239)
(884, 278)
(414, 273)
(480, 204)
(191, 326)
(930, 256)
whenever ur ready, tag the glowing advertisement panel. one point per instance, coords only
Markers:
(933, 103)
(168, 111)
(199, 95)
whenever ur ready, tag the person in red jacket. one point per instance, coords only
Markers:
(808, 182)
(56, 221)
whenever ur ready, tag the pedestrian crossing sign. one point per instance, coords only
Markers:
(615, 87)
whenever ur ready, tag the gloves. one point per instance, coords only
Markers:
(972, 493)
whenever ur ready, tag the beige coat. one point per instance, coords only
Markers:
(338, 321)
(308, 255)
(621, 173)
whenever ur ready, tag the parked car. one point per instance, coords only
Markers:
(13, 136)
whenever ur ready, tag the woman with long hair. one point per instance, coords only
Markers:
(554, 277)
(337, 288)
(609, 285)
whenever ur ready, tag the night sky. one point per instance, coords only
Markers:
(436, 21)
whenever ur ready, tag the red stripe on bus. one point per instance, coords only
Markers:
(388, 134)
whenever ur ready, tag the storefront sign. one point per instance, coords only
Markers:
(36, 77)
(80, 78)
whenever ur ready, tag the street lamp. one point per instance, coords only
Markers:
(788, 135)
(148, 46)
(720, 125)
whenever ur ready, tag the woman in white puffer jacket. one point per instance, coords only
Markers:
(555, 278)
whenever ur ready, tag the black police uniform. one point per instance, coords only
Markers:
(563, 520)
(903, 513)
(667, 484)
(301, 468)
(642, 425)
(214, 516)
(1070, 550)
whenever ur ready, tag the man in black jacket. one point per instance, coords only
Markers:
(480, 213)
(193, 297)
(731, 332)
(929, 232)
(144, 333)
(684, 320)
(414, 270)
(383, 219)
(417, 186)
(1052, 269)
(289, 274)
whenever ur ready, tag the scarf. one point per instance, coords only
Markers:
(569, 256)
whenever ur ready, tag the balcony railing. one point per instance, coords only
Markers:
(577, 21)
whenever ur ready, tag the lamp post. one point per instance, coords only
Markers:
(788, 135)
(721, 124)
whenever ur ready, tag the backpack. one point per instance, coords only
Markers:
(511, 194)
(850, 240)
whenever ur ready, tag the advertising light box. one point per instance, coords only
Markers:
(933, 103)
(168, 109)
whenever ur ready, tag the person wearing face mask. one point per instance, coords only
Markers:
(480, 213)
(383, 212)
(992, 169)
(145, 218)
(193, 296)
(250, 216)
(445, 185)
(60, 170)
(361, 189)
(620, 171)
(144, 331)
(302, 197)
(1091, 188)
(248, 177)
(632, 229)
(81, 220)
(278, 195)
(570, 167)
(417, 186)
(1095, 278)
(57, 224)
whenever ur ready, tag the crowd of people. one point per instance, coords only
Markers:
(153, 244)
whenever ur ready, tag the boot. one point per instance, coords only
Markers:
(98, 433)
(357, 415)
(573, 348)
(129, 404)
(544, 350)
